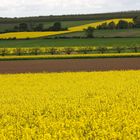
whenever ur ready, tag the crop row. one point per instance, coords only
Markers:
(72, 56)
(67, 50)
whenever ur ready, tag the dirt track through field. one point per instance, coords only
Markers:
(69, 65)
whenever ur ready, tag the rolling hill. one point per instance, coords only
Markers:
(24, 35)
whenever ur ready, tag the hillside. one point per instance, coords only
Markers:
(66, 20)
(51, 18)
(24, 35)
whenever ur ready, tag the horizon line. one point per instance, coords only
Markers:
(59, 15)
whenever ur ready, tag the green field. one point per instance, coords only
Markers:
(70, 23)
(10, 26)
(125, 42)
(106, 33)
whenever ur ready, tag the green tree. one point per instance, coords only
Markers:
(89, 32)
(137, 22)
(131, 25)
(16, 28)
(31, 26)
(102, 26)
(122, 24)
(39, 27)
(56, 27)
(23, 27)
(134, 47)
(111, 25)
(119, 49)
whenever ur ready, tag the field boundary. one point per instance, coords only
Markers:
(69, 65)
(73, 56)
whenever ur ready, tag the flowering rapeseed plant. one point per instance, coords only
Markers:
(85, 105)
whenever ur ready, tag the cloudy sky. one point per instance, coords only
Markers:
(18, 8)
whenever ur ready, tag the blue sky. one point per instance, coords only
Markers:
(19, 8)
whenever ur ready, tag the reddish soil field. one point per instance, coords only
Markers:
(69, 65)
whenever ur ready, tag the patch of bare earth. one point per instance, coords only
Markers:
(69, 65)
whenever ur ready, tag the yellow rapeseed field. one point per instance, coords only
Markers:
(95, 24)
(72, 56)
(70, 106)
(23, 35)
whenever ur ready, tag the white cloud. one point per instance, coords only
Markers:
(12, 8)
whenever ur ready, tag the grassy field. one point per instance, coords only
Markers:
(125, 42)
(70, 23)
(106, 33)
(70, 106)
(23, 35)
(10, 26)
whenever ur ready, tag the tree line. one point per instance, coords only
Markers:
(112, 26)
(120, 25)
(76, 17)
(57, 26)
(137, 21)
(28, 27)
(68, 50)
